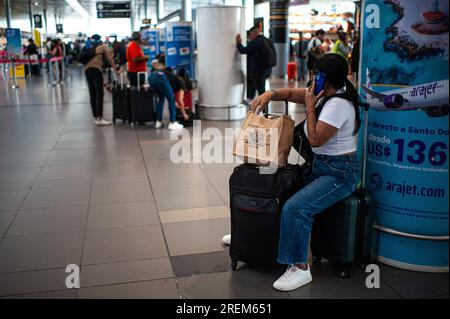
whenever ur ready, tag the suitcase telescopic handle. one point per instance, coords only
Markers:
(286, 109)
(112, 77)
(139, 79)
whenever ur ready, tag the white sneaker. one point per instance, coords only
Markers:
(175, 126)
(158, 124)
(102, 122)
(293, 278)
(227, 239)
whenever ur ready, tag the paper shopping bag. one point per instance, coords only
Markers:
(265, 141)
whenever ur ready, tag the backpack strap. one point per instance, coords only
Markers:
(324, 101)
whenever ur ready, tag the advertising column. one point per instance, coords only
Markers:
(179, 46)
(404, 79)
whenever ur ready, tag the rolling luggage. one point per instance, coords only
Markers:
(120, 101)
(291, 70)
(343, 233)
(142, 103)
(256, 201)
(187, 99)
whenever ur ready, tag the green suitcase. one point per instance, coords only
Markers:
(342, 234)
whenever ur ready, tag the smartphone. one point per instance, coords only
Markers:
(319, 80)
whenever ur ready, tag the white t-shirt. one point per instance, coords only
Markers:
(340, 113)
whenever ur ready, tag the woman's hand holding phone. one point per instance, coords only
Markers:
(310, 98)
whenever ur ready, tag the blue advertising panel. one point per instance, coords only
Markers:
(404, 79)
(179, 46)
(162, 40)
(153, 42)
(150, 44)
(14, 41)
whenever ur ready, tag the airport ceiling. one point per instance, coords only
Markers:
(60, 8)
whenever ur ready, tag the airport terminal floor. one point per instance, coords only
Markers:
(110, 200)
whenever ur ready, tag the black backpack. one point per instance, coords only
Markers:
(87, 54)
(268, 54)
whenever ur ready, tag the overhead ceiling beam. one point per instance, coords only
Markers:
(78, 8)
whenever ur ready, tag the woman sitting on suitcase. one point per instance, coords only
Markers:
(335, 173)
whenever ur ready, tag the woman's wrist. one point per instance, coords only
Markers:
(274, 94)
(310, 107)
(310, 111)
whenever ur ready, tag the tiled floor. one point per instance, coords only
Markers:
(111, 201)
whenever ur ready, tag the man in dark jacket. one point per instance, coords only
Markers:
(261, 57)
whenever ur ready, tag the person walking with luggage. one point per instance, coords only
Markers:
(137, 61)
(160, 83)
(332, 123)
(94, 75)
(261, 58)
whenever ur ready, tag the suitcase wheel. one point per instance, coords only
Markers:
(366, 261)
(345, 273)
(234, 265)
(317, 259)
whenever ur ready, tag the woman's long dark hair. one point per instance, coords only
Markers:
(336, 70)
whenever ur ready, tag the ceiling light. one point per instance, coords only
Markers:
(78, 8)
(36, 3)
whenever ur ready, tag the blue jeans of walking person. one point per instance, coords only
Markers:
(334, 178)
(159, 82)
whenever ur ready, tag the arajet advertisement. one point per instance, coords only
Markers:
(404, 79)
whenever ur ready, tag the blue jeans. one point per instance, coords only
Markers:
(333, 179)
(161, 85)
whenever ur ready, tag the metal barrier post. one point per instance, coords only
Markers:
(14, 86)
(29, 67)
(58, 80)
(63, 70)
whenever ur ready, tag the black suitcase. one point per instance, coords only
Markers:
(255, 203)
(120, 103)
(142, 105)
(120, 97)
(343, 232)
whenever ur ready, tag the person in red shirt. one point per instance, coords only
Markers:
(137, 61)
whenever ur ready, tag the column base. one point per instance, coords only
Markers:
(222, 113)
